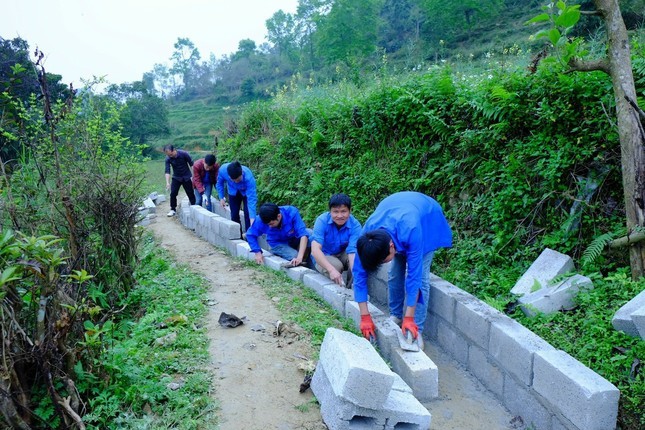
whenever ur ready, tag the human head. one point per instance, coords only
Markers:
(234, 170)
(374, 248)
(209, 161)
(170, 151)
(270, 214)
(340, 206)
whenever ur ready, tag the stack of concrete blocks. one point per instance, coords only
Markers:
(548, 388)
(356, 389)
(630, 318)
(147, 211)
(538, 292)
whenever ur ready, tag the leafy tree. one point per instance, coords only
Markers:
(281, 31)
(446, 19)
(629, 117)
(185, 59)
(401, 24)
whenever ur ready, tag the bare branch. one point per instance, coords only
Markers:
(578, 65)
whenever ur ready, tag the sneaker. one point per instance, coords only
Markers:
(171, 213)
(395, 320)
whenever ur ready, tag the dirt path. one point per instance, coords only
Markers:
(258, 375)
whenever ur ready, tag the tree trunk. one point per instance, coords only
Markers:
(629, 127)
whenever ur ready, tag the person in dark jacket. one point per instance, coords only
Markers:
(181, 175)
(204, 178)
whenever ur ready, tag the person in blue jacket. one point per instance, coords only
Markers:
(333, 243)
(241, 188)
(286, 233)
(405, 228)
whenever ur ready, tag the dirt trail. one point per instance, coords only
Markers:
(258, 375)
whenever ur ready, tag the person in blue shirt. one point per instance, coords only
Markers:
(286, 233)
(240, 184)
(405, 228)
(333, 243)
(181, 175)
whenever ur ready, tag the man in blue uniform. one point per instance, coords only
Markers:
(241, 187)
(286, 234)
(406, 228)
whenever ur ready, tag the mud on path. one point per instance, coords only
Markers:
(257, 375)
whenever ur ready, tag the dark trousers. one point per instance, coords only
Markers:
(174, 190)
(235, 202)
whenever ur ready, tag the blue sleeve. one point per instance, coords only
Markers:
(299, 225)
(319, 230)
(415, 269)
(220, 183)
(252, 234)
(252, 196)
(354, 234)
(360, 281)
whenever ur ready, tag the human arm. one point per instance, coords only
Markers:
(221, 180)
(198, 171)
(302, 248)
(367, 326)
(167, 171)
(321, 259)
(251, 195)
(167, 181)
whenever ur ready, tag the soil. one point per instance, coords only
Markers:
(258, 374)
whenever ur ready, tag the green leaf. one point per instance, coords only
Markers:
(561, 5)
(568, 19)
(554, 36)
(543, 17)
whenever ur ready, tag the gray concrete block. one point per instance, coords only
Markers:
(521, 400)
(231, 246)
(149, 205)
(355, 370)
(353, 312)
(582, 396)
(296, 273)
(244, 251)
(228, 229)
(273, 261)
(386, 337)
(400, 410)
(377, 285)
(638, 318)
(159, 199)
(337, 296)
(418, 371)
(452, 342)
(442, 298)
(622, 319)
(488, 373)
(512, 346)
(547, 266)
(553, 298)
(473, 318)
(316, 281)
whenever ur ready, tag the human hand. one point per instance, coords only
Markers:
(222, 203)
(409, 325)
(167, 185)
(259, 258)
(336, 276)
(367, 327)
(296, 261)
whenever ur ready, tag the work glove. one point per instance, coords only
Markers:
(367, 327)
(409, 325)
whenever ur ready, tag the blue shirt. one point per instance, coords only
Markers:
(292, 226)
(335, 240)
(417, 226)
(180, 165)
(245, 187)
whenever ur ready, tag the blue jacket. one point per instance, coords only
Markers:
(334, 240)
(245, 187)
(292, 226)
(417, 226)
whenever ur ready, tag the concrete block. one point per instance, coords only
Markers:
(525, 402)
(159, 199)
(228, 229)
(296, 273)
(377, 285)
(582, 396)
(553, 298)
(638, 317)
(355, 370)
(512, 346)
(442, 298)
(622, 319)
(337, 296)
(273, 261)
(547, 266)
(231, 246)
(150, 205)
(400, 411)
(473, 318)
(316, 281)
(488, 373)
(244, 251)
(418, 371)
(453, 342)
(386, 337)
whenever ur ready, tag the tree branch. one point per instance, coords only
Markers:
(578, 65)
(627, 240)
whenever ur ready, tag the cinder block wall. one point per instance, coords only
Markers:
(547, 387)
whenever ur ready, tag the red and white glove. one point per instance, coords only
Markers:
(409, 325)
(367, 327)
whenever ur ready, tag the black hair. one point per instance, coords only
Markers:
(373, 247)
(234, 169)
(168, 148)
(269, 212)
(340, 199)
(210, 160)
